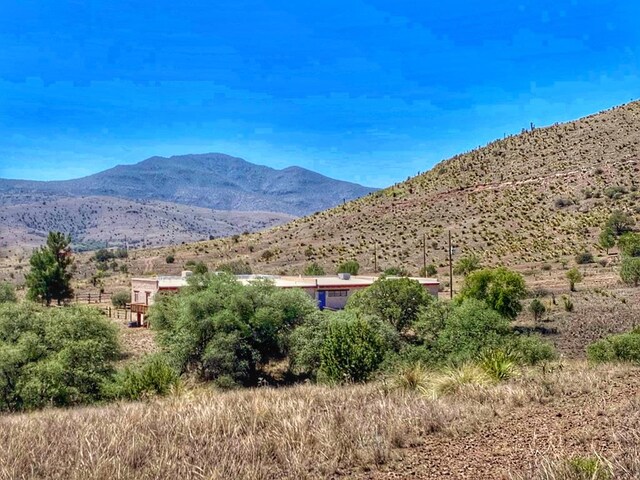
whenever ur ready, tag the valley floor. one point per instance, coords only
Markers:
(360, 431)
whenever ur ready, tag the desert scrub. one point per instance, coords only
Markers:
(624, 347)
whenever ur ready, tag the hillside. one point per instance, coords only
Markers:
(209, 180)
(93, 221)
(536, 197)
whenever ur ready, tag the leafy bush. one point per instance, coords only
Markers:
(624, 347)
(500, 288)
(431, 270)
(629, 244)
(630, 271)
(352, 349)
(574, 276)
(121, 298)
(499, 364)
(531, 349)
(313, 270)
(584, 258)
(217, 327)
(53, 357)
(466, 265)
(350, 266)
(393, 300)
(396, 272)
(7, 293)
(155, 376)
(620, 222)
(170, 258)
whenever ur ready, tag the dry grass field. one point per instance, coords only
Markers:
(360, 431)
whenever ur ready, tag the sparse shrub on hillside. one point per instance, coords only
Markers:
(574, 276)
(121, 298)
(170, 258)
(429, 271)
(267, 255)
(7, 293)
(563, 202)
(630, 271)
(607, 239)
(467, 264)
(396, 272)
(313, 270)
(53, 357)
(624, 347)
(567, 303)
(615, 192)
(350, 266)
(620, 222)
(500, 288)
(199, 268)
(629, 244)
(584, 258)
(537, 308)
(235, 267)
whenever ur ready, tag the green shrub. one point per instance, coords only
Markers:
(584, 258)
(629, 244)
(53, 357)
(574, 276)
(630, 271)
(567, 303)
(537, 308)
(499, 364)
(467, 264)
(170, 258)
(352, 349)
(396, 272)
(155, 376)
(531, 350)
(350, 266)
(500, 288)
(121, 298)
(624, 347)
(313, 270)
(7, 293)
(431, 270)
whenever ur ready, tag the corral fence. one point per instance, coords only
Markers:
(89, 297)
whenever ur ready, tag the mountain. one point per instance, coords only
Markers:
(211, 180)
(538, 197)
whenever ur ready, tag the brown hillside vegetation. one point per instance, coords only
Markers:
(534, 197)
(361, 431)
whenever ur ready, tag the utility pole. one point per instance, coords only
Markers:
(375, 257)
(450, 268)
(424, 253)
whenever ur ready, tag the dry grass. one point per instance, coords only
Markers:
(305, 431)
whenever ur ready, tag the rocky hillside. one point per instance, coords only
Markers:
(210, 180)
(537, 197)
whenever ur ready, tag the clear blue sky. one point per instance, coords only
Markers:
(368, 91)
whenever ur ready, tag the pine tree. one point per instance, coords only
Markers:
(50, 278)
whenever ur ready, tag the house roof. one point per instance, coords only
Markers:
(329, 282)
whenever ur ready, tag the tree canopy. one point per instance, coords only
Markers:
(49, 278)
(500, 288)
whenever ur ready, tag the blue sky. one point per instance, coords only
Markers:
(366, 91)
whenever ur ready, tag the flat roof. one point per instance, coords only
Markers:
(291, 281)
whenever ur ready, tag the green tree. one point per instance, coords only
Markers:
(350, 266)
(7, 293)
(393, 300)
(620, 222)
(200, 268)
(50, 278)
(396, 272)
(629, 244)
(313, 270)
(574, 276)
(467, 264)
(121, 298)
(222, 330)
(607, 239)
(500, 288)
(537, 308)
(630, 271)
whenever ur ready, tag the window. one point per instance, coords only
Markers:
(136, 296)
(338, 293)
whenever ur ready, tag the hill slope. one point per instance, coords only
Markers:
(534, 197)
(210, 180)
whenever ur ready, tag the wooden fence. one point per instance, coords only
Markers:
(96, 297)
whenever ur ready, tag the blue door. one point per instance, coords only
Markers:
(322, 299)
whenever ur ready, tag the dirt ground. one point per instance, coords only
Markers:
(573, 423)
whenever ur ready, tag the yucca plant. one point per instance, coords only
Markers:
(452, 380)
(499, 364)
(411, 378)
